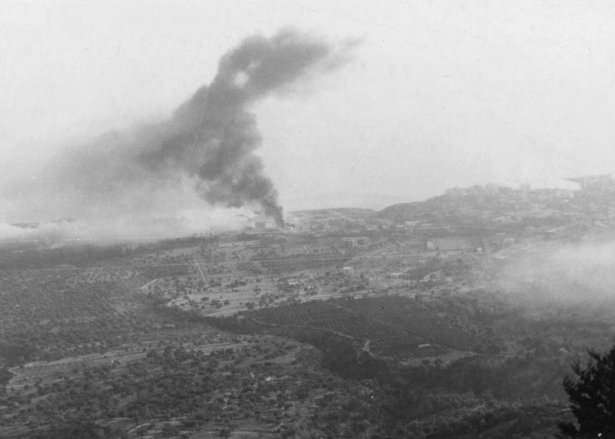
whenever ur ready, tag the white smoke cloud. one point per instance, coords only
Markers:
(570, 272)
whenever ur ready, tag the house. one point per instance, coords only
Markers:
(356, 241)
(455, 244)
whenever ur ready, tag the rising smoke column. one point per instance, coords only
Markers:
(214, 135)
(209, 141)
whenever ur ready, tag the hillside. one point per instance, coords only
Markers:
(457, 316)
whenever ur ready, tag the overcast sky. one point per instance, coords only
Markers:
(438, 94)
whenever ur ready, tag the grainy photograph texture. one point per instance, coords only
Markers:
(307, 219)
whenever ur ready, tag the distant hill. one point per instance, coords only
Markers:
(478, 209)
(482, 203)
(486, 202)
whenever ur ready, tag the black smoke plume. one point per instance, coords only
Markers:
(209, 142)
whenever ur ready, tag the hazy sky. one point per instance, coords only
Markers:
(439, 93)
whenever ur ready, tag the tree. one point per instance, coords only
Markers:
(591, 393)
